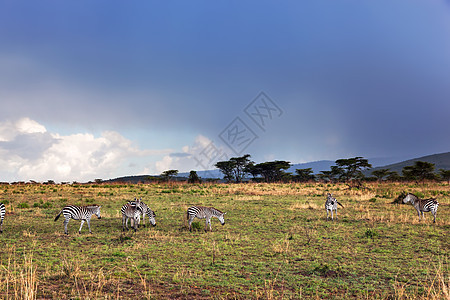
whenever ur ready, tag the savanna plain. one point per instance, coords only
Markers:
(276, 243)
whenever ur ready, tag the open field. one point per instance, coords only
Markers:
(276, 244)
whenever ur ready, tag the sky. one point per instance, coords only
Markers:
(103, 89)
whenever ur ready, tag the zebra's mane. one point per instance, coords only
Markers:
(92, 206)
(217, 210)
(417, 198)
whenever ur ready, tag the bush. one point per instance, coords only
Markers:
(23, 205)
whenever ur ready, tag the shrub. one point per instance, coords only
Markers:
(23, 205)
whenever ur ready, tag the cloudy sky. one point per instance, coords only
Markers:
(102, 89)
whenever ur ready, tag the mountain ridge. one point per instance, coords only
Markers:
(441, 161)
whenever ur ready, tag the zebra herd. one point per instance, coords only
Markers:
(421, 205)
(133, 210)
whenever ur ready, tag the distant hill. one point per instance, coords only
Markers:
(441, 161)
(316, 166)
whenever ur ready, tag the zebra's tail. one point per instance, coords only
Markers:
(340, 204)
(57, 217)
(187, 215)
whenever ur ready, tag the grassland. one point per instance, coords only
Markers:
(276, 244)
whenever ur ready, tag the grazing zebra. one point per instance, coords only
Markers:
(2, 216)
(83, 213)
(422, 205)
(331, 204)
(132, 212)
(145, 211)
(202, 212)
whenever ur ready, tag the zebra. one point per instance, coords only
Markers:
(331, 204)
(422, 205)
(2, 216)
(145, 211)
(132, 212)
(202, 212)
(83, 213)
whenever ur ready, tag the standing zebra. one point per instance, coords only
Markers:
(2, 216)
(422, 205)
(331, 204)
(202, 212)
(132, 212)
(83, 213)
(145, 211)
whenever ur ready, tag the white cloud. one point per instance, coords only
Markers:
(200, 156)
(29, 152)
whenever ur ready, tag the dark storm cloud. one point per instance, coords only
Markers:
(353, 78)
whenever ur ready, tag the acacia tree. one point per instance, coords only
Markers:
(304, 174)
(273, 171)
(193, 177)
(240, 166)
(380, 174)
(235, 168)
(445, 175)
(420, 171)
(226, 167)
(333, 175)
(169, 174)
(352, 167)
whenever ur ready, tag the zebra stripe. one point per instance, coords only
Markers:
(132, 212)
(331, 204)
(2, 216)
(145, 211)
(83, 213)
(202, 212)
(422, 205)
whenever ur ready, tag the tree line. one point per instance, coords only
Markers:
(349, 170)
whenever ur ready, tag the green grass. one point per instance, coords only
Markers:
(276, 244)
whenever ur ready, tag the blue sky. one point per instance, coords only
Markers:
(101, 89)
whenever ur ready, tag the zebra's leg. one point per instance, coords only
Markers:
(126, 223)
(190, 223)
(335, 212)
(1, 226)
(123, 223)
(136, 224)
(327, 214)
(66, 221)
(81, 226)
(88, 221)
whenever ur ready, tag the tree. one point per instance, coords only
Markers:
(304, 174)
(445, 175)
(393, 176)
(333, 175)
(252, 169)
(169, 174)
(235, 168)
(226, 167)
(352, 168)
(193, 177)
(240, 166)
(380, 174)
(420, 171)
(273, 171)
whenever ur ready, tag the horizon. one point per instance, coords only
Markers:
(145, 87)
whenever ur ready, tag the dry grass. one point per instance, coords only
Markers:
(276, 244)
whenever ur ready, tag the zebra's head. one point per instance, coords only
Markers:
(221, 219)
(97, 211)
(409, 198)
(151, 217)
